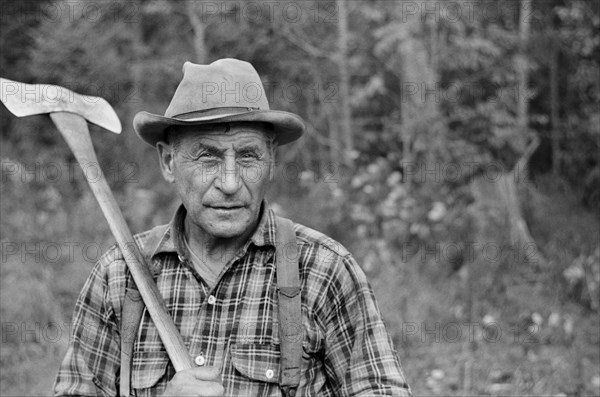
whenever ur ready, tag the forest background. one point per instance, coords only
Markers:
(452, 146)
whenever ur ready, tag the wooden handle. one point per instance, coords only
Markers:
(75, 131)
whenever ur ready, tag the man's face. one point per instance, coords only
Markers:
(221, 175)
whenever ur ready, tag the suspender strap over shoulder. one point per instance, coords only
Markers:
(290, 315)
(131, 317)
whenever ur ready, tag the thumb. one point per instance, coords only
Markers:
(207, 373)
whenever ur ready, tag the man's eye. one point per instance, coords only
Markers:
(206, 156)
(249, 156)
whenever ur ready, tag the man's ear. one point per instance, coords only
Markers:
(166, 157)
(271, 171)
(272, 163)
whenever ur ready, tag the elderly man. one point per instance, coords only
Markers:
(215, 265)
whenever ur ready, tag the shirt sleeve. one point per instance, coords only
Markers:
(359, 351)
(91, 364)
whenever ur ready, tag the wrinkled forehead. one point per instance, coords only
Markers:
(226, 132)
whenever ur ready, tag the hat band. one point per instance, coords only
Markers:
(215, 112)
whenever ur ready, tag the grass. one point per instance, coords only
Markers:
(33, 336)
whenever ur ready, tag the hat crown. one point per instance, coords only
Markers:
(226, 91)
(226, 83)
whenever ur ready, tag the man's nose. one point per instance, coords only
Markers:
(229, 179)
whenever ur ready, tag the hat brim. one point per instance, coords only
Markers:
(288, 127)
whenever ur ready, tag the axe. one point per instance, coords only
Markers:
(69, 112)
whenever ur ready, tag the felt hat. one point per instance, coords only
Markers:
(227, 90)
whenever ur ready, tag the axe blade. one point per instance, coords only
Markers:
(23, 99)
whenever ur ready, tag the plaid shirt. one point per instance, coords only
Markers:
(346, 348)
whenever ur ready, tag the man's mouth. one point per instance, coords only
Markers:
(226, 207)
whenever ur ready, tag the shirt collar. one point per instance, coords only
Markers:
(170, 240)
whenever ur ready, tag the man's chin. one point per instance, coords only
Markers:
(227, 231)
(228, 228)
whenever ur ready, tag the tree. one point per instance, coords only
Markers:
(344, 98)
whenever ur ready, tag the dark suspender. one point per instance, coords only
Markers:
(290, 315)
(131, 314)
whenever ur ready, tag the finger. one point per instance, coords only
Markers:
(200, 389)
(212, 389)
(207, 373)
(187, 385)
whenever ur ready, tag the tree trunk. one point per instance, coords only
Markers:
(198, 27)
(407, 157)
(419, 86)
(554, 110)
(521, 66)
(342, 60)
(519, 231)
(418, 90)
(334, 137)
(502, 192)
(504, 189)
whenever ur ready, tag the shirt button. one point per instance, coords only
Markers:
(212, 300)
(199, 360)
(269, 374)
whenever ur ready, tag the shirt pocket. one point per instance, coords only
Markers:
(149, 367)
(257, 362)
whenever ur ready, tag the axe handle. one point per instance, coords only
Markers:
(75, 130)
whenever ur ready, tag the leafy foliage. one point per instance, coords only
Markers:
(434, 113)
